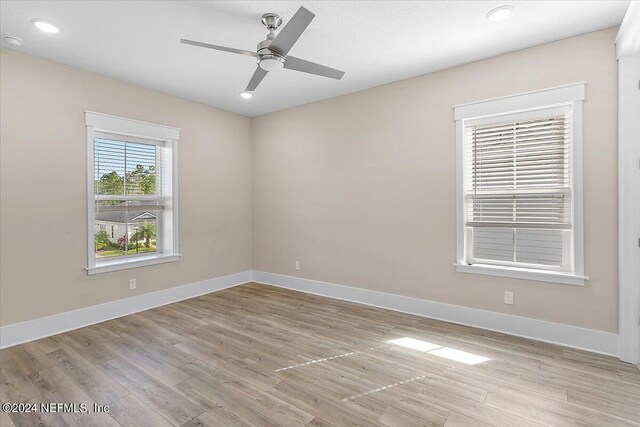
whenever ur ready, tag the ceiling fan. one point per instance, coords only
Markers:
(272, 52)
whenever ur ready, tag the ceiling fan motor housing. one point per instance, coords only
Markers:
(269, 60)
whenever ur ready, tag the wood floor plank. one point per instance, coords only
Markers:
(530, 380)
(456, 419)
(15, 386)
(337, 385)
(97, 384)
(336, 414)
(441, 387)
(220, 344)
(397, 418)
(630, 377)
(205, 420)
(276, 359)
(141, 321)
(275, 409)
(395, 397)
(138, 337)
(227, 408)
(552, 412)
(258, 355)
(629, 410)
(47, 345)
(132, 412)
(242, 370)
(56, 386)
(85, 343)
(249, 335)
(5, 420)
(318, 422)
(152, 364)
(564, 375)
(29, 358)
(381, 371)
(499, 417)
(156, 395)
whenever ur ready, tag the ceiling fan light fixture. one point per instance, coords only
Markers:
(246, 95)
(45, 26)
(500, 13)
(271, 62)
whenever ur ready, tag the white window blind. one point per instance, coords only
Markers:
(517, 189)
(127, 172)
(128, 194)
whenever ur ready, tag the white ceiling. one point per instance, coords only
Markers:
(375, 42)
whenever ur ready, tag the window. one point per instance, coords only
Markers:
(132, 188)
(520, 186)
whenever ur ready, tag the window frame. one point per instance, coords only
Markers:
(132, 130)
(497, 109)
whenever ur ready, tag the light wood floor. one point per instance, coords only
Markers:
(263, 356)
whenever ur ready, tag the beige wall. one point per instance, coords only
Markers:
(43, 187)
(361, 188)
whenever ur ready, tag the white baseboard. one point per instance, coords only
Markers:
(556, 333)
(30, 330)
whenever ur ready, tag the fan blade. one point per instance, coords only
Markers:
(256, 79)
(297, 64)
(216, 47)
(291, 32)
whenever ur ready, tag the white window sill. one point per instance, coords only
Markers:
(522, 273)
(105, 266)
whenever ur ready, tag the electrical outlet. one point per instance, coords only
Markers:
(297, 265)
(508, 297)
(132, 284)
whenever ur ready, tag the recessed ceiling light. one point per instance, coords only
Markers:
(45, 26)
(12, 41)
(246, 95)
(499, 13)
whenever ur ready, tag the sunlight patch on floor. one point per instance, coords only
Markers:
(415, 344)
(440, 350)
